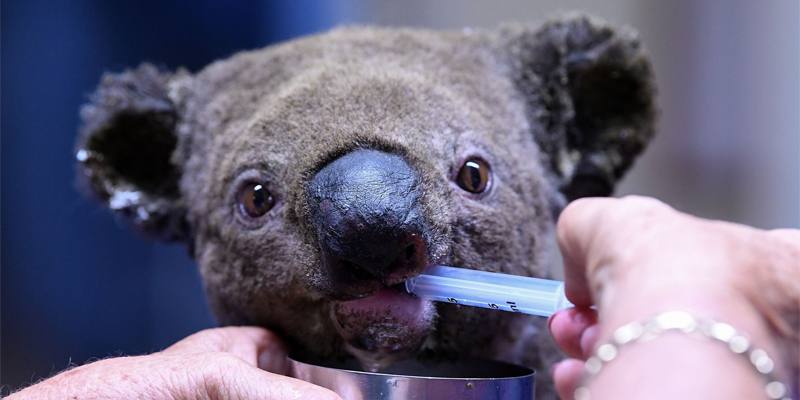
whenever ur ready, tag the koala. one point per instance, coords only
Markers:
(311, 178)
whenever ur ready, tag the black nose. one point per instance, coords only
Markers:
(365, 207)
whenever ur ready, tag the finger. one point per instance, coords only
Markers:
(242, 381)
(255, 346)
(568, 328)
(588, 340)
(576, 229)
(567, 375)
(791, 236)
(595, 234)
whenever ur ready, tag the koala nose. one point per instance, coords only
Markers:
(365, 207)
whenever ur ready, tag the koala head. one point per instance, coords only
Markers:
(311, 178)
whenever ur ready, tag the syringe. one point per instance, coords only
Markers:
(497, 291)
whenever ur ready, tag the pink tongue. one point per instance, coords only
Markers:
(385, 326)
(399, 304)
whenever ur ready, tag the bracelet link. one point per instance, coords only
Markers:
(686, 323)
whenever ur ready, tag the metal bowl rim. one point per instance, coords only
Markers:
(381, 374)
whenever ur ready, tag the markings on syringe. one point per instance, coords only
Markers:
(513, 306)
(452, 300)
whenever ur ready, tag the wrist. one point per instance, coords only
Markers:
(676, 365)
(724, 304)
(664, 347)
(686, 356)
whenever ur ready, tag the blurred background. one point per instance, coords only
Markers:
(77, 284)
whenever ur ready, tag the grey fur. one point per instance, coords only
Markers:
(559, 111)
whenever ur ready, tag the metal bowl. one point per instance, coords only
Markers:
(414, 380)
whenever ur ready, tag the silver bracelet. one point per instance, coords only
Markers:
(683, 322)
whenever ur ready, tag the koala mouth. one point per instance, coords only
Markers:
(384, 327)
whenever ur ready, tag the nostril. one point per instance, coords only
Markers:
(356, 271)
(368, 218)
(410, 252)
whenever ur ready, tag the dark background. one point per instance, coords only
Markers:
(76, 284)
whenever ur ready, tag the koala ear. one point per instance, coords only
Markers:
(125, 150)
(590, 95)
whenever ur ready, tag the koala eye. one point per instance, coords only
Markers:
(474, 175)
(254, 200)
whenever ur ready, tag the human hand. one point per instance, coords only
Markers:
(222, 363)
(635, 257)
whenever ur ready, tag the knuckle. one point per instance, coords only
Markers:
(642, 206)
(789, 236)
(636, 227)
(214, 364)
(225, 360)
(211, 334)
(575, 214)
(216, 372)
(575, 208)
(636, 215)
(207, 338)
(624, 216)
(219, 338)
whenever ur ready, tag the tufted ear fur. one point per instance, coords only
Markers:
(590, 94)
(125, 150)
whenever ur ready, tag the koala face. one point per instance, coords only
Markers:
(310, 179)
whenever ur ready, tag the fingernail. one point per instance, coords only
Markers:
(553, 369)
(582, 316)
(264, 361)
(588, 339)
(275, 363)
(574, 315)
(550, 320)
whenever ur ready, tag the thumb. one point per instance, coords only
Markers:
(577, 229)
(234, 359)
(256, 346)
(237, 380)
(595, 234)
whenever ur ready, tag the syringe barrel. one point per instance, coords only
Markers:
(497, 291)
